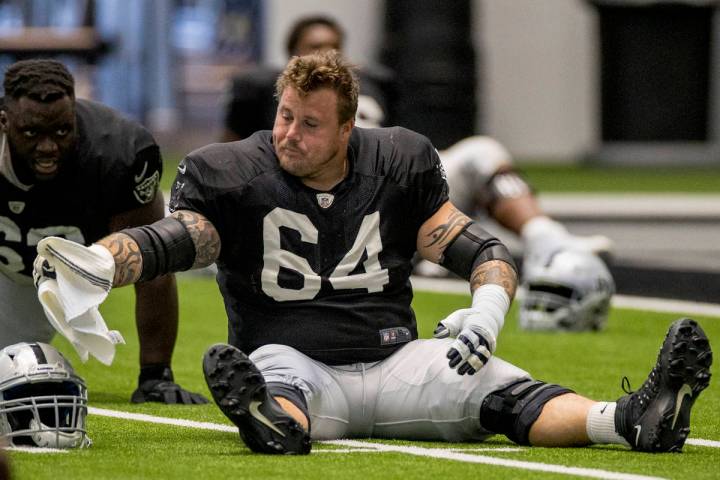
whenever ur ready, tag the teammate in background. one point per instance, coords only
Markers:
(77, 169)
(313, 227)
(251, 103)
(480, 172)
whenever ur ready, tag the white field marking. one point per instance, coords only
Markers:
(451, 285)
(501, 462)
(701, 442)
(373, 450)
(34, 449)
(178, 422)
(418, 451)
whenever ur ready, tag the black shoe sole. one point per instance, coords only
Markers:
(236, 386)
(685, 360)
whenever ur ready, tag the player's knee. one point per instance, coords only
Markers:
(506, 184)
(512, 410)
(487, 155)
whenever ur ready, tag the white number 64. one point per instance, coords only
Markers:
(368, 240)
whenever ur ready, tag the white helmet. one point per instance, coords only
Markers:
(571, 290)
(43, 402)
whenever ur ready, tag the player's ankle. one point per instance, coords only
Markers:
(600, 424)
(294, 411)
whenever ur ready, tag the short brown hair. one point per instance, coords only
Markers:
(320, 70)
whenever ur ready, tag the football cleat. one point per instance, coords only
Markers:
(656, 418)
(239, 389)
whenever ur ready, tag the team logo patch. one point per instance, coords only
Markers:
(145, 191)
(16, 207)
(325, 199)
(393, 336)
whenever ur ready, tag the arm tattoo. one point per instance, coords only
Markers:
(497, 272)
(128, 260)
(204, 236)
(443, 234)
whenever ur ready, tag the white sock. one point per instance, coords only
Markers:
(600, 424)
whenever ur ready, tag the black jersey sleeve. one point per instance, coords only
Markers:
(208, 177)
(189, 191)
(141, 182)
(417, 165)
(122, 154)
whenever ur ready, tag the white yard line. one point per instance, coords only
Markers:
(501, 462)
(703, 443)
(34, 449)
(418, 451)
(449, 285)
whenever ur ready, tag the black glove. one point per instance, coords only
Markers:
(156, 384)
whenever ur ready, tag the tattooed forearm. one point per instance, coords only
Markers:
(128, 260)
(497, 272)
(442, 234)
(204, 236)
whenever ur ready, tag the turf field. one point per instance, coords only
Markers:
(131, 441)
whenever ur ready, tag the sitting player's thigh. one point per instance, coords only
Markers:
(326, 402)
(421, 397)
(22, 318)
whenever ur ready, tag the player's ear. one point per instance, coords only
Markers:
(348, 126)
(3, 121)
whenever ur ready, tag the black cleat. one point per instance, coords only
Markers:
(239, 389)
(656, 418)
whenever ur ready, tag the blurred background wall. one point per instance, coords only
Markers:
(536, 73)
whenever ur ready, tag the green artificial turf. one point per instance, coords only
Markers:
(596, 179)
(591, 363)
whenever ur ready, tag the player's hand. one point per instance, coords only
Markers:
(165, 390)
(473, 345)
(475, 329)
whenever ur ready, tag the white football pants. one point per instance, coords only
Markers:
(412, 394)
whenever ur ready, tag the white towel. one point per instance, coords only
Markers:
(83, 279)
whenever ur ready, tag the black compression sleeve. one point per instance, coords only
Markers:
(165, 246)
(472, 247)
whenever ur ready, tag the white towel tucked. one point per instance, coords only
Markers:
(83, 279)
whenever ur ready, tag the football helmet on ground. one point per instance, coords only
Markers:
(43, 402)
(570, 290)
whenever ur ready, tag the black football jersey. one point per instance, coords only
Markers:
(116, 168)
(324, 272)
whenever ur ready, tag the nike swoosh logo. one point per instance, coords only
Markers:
(685, 390)
(257, 415)
(602, 410)
(637, 435)
(142, 174)
(181, 168)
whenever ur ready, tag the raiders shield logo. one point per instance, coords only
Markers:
(325, 199)
(16, 207)
(145, 190)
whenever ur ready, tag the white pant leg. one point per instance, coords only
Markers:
(469, 165)
(421, 398)
(327, 402)
(22, 318)
(413, 394)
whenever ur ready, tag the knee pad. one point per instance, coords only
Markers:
(504, 184)
(513, 410)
